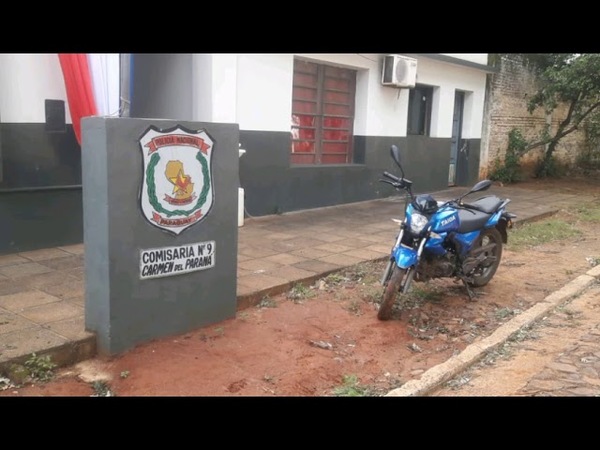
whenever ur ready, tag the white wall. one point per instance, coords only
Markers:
(214, 87)
(26, 81)
(264, 91)
(451, 78)
(254, 90)
(202, 80)
(479, 58)
(263, 83)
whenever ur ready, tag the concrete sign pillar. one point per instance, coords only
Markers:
(160, 210)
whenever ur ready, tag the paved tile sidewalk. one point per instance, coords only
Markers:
(42, 292)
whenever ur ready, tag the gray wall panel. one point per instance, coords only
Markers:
(35, 220)
(125, 310)
(273, 186)
(32, 157)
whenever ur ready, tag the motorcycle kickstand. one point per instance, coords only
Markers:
(470, 292)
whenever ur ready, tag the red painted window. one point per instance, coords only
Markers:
(322, 114)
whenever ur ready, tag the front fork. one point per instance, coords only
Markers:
(406, 258)
(388, 268)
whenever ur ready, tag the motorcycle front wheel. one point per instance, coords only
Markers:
(390, 293)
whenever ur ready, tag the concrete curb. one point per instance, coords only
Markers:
(436, 376)
(62, 355)
(519, 222)
(245, 301)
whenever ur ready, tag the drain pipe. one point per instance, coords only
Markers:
(241, 196)
(126, 79)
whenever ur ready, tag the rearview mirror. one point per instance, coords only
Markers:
(481, 186)
(395, 151)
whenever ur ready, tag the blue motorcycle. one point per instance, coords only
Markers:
(450, 239)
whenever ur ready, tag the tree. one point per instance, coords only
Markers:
(568, 79)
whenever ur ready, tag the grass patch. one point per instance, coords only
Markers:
(366, 272)
(372, 293)
(335, 279)
(593, 261)
(300, 292)
(504, 313)
(267, 302)
(352, 388)
(220, 331)
(362, 274)
(537, 233)
(354, 307)
(458, 382)
(425, 292)
(589, 212)
(5, 384)
(40, 368)
(524, 334)
(101, 389)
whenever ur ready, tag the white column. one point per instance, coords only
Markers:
(214, 87)
(442, 112)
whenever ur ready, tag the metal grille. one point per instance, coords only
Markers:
(322, 114)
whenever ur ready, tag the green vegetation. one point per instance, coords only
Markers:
(593, 260)
(568, 82)
(508, 170)
(267, 302)
(6, 383)
(425, 292)
(588, 158)
(101, 389)
(554, 229)
(372, 292)
(537, 233)
(335, 279)
(503, 313)
(40, 368)
(219, 331)
(589, 212)
(300, 292)
(354, 307)
(352, 388)
(565, 80)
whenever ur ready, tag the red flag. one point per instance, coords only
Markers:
(78, 84)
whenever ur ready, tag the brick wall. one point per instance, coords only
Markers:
(506, 108)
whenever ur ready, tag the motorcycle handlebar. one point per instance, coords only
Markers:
(389, 182)
(391, 177)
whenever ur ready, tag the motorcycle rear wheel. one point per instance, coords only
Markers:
(390, 293)
(487, 237)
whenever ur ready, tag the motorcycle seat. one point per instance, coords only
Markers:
(487, 204)
(471, 220)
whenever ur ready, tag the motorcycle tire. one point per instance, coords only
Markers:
(390, 293)
(488, 236)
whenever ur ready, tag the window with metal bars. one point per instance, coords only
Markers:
(322, 113)
(420, 100)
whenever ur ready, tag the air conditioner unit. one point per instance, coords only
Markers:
(399, 71)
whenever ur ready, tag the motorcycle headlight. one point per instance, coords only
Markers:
(418, 223)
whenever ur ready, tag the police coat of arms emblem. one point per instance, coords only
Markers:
(177, 190)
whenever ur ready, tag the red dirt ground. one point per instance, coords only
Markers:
(330, 342)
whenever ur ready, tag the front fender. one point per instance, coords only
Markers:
(405, 257)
